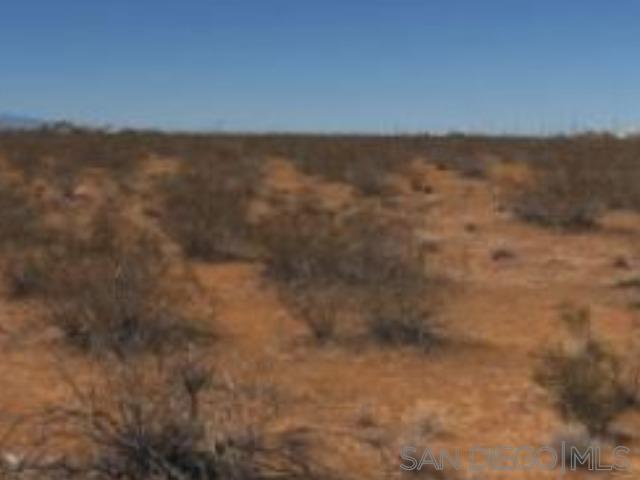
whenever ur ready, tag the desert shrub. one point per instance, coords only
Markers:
(19, 218)
(362, 162)
(467, 165)
(59, 153)
(36, 268)
(579, 177)
(360, 247)
(144, 438)
(322, 309)
(585, 380)
(22, 234)
(585, 386)
(332, 268)
(108, 293)
(140, 427)
(119, 307)
(25, 157)
(118, 301)
(398, 316)
(25, 273)
(206, 205)
(559, 199)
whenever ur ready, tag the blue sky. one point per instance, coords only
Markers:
(326, 65)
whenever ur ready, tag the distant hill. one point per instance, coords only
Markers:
(10, 121)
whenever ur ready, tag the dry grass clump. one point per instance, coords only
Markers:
(332, 269)
(206, 205)
(585, 378)
(158, 426)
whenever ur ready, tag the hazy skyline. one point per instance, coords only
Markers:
(390, 66)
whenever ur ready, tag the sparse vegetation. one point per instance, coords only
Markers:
(354, 267)
(578, 179)
(25, 273)
(359, 163)
(558, 199)
(139, 427)
(399, 315)
(206, 205)
(331, 268)
(115, 304)
(19, 219)
(107, 294)
(585, 377)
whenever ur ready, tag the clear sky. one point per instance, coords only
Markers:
(327, 65)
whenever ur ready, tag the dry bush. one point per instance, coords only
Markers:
(468, 166)
(586, 379)
(25, 273)
(322, 308)
(118, 305)
(25, 157)
(362, 162)
(206, 205)
(470, 156)
(578, 178)
(37, 268)
(559, 198)
(585, 386)
(398, 314)
(107, 293)
(22, 235)
(144, 426)
(59, 154)
(333, 268)
(19, 217)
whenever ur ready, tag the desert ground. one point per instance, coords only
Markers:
(290, 371)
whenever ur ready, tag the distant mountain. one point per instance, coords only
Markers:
(10, 121)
